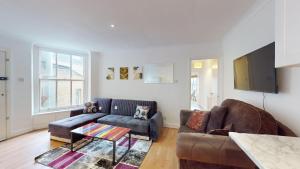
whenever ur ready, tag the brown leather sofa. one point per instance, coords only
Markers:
(204, 151)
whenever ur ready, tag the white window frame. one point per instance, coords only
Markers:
(37, 80)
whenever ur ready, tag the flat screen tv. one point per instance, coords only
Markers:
(256, 71)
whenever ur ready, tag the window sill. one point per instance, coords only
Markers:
(57, 111)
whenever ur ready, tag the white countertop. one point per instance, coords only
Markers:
(269, 151)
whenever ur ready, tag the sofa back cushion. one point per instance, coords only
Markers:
(128, 107)
(246, 118)
(104, 103)
(216, 120)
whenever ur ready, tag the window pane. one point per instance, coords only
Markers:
(77, 67)
(47, 64)
(47, 94)
(63, 93)
(63, 66)
(77, 92)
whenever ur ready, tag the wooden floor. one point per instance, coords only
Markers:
(19, 152)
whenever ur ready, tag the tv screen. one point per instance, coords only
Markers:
(256, 71)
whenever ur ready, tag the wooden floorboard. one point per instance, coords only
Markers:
(19, 152)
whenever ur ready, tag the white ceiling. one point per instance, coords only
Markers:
(139, 23)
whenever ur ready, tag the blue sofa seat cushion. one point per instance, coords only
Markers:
(136, 125)
(77, 120)
(63, 127)
(128, 107)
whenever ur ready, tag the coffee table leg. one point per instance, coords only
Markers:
(114, 152)
(129, 141)
(71, 141)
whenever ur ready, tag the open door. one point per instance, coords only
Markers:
(3, 80)
(204, 84)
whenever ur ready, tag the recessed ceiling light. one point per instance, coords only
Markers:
(112, 25)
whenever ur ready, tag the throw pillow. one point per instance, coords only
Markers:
(198, 120)
(217, 116)
(141, 112)
(90, 107)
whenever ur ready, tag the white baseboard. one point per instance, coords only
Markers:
(40, 126)
(45, 126)
(171, 125)
(19, 132)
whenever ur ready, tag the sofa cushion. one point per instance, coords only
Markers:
(247, 118)
(198, 121)
(103, 105)
(185, 129)
(139, 126)
(141, 112)
(64, 126)
(90, 107)
(77, 120)
(211, 149)
(216, 119)
(128, 107)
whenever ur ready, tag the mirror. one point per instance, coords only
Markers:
(159, 73)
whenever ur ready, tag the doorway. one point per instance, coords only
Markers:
(3, 78)
(204, 84)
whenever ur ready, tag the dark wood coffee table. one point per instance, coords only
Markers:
(105, 132)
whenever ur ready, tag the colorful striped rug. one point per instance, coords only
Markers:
(96, 155)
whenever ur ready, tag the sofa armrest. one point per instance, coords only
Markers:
(211, 149)
(284, 130)
(76, 112)
(156, 125)
(184, 116)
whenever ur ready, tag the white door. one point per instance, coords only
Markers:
(2, 96)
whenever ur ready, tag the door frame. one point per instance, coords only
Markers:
(219, 90)
(8, 93)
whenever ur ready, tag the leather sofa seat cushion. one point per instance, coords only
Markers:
(185, 129)
(136, 125)
(211, 149)
(64, 126)
(217, 115)
(128, 107)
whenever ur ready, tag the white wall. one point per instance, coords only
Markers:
(253, 32)
(20, 89)
(171, 98)
(19, 85)
(94, 80)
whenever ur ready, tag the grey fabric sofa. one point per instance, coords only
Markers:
(122, 112)
(116, 112)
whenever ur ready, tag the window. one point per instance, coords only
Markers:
(61, 80)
